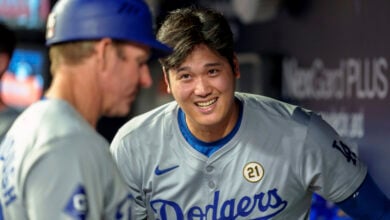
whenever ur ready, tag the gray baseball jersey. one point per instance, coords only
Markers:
(269, 169)
(54, 165)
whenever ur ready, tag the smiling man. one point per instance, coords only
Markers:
(214, 153)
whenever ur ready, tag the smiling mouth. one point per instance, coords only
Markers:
(206, 104)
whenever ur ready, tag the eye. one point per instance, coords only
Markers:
(213, 71)
(184, 76)
(141, 64)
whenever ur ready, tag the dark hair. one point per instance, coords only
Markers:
(185, 28)
(7, 40)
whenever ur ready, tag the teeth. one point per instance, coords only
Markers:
(205, 104)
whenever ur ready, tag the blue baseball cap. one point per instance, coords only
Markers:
(127, 20)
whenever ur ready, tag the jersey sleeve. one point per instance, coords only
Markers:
(330, 167)
(69, 182)
(368, 202)
(129, 169)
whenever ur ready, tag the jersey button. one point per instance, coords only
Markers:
(212, 184)
(209, 169)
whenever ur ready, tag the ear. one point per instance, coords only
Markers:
(4, 60)
(166, 80)
(236, 67)
(102, 52)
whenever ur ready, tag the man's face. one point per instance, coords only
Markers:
(128, 73)
(203, 85)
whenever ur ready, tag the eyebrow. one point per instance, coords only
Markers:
(186, 68)
(143, 59)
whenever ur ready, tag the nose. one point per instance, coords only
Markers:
(202, 87)
(145, 78)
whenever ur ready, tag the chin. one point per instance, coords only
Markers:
(119, 112)
(208, 121)
(124, 113)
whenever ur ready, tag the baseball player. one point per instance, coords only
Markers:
(214, 153)
(53, 163)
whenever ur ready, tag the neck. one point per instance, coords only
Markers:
(76, 88)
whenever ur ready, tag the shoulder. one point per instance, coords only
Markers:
(290, 118)
(55, 123)
(275, 109)
(57, 138)
(146, 123)
(145, 133)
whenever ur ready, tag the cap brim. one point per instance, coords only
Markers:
(159, 50)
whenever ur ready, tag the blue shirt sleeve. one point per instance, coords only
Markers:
(367, 202)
